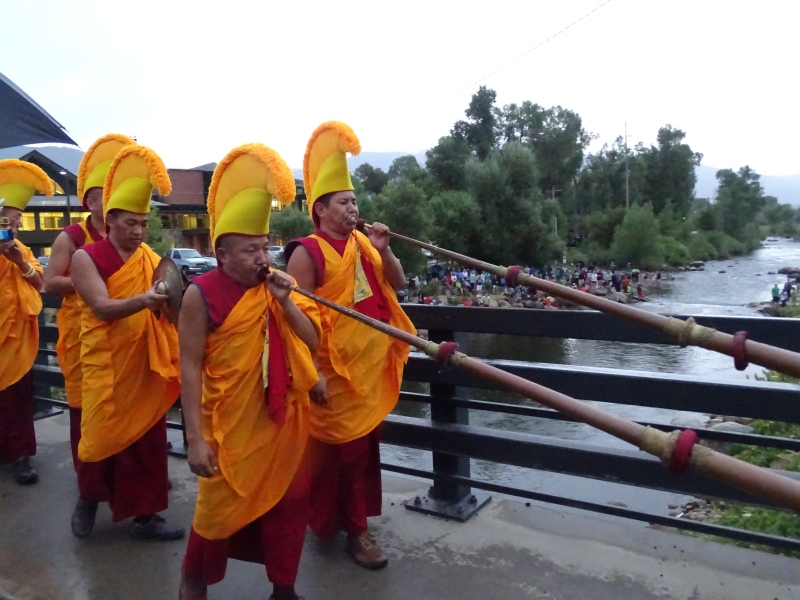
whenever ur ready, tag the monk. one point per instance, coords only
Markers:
(129, 358)
(91, 178)
(360, 369)
(20, 305)
(246, 370)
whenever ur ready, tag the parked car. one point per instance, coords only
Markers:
(43, 260)
(211, 260)
(190, 261)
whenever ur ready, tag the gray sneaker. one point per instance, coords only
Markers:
(156, 529)
(83, 518)
(24, 472)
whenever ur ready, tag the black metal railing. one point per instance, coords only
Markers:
(453, 441)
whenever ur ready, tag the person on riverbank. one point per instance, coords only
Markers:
(91, 179)
(776, 294)
(246, 370)
(129, 358)
(20, 305)
(360, 368)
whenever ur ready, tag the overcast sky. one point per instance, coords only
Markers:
(194, 79)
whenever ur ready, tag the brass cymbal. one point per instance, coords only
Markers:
(170, 282)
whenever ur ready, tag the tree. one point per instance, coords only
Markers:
(669, 172)
(456, 222)
(289, 224)
(636, 239)
(159, 242)
(404, 167)
(373, 179)
(740, 197)
(447, 161)
(403, 206)
(480, 128)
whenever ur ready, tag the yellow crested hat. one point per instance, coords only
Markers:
(325, 162)
(97, 160)
(242, 189)
(19, 181)
(133, 174)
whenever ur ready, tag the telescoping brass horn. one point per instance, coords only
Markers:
(169, 281)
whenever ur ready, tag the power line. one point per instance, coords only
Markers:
(524, 54)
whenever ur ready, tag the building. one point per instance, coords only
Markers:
(184, 215)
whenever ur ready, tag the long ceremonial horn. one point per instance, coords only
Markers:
(684, 333)
(677, 450)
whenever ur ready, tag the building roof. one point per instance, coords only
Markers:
(61, 202)
(66, 158)
(206, 167)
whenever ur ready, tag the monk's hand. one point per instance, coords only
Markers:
(202, 460)
(153, 299)
(319, 393)
(379, 236)
(279, 284)
(12, 252)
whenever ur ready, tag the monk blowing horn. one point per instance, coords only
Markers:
(684, 333)
(677, 450)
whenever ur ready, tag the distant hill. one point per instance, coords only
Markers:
(786, 188)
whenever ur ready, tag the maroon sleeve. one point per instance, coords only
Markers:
(312, 246)
(76, 234)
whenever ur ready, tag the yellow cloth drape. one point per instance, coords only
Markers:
(129, 367)
(257, 458)
(68, 347)
(363, 367)
(20, 305)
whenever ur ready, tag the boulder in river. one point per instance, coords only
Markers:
(732, 427)
(687, 420)
(789, 270)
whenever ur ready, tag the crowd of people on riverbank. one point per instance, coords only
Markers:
(474, 287)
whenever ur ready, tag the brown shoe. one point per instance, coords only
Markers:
(192, 589)
(366, 552)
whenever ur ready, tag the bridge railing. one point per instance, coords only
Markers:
(453, 442)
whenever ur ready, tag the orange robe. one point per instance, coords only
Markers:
(20, 304)
(129, 367)
(68, 319)
(363, 367)
(258, 459)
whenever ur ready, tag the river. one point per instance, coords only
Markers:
(725, 287)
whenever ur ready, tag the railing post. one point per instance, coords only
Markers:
(445, 498)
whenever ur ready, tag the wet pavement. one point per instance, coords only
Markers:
(509, 550)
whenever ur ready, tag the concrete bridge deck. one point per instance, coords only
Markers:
(507, 551)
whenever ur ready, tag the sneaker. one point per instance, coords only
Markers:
(24, 473)
(156, 529)
(83, 518)
(192, 589)
(366, 552)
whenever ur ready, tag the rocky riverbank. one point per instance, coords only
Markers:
(522, 297)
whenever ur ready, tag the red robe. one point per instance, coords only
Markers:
(345, 478)
(275, 538)
(134, 481)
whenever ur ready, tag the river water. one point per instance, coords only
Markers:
(726, 287)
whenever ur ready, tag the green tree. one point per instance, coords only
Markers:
(636, 239)
(404, 167)
(403, 206)
(740, 197)
(480, 130)
(669, 172)
(289, 224)
(447, 161)
(456, 222)
(555, 135)
(159, 241)
(373, 179)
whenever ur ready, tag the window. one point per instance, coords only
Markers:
(191, 253)
(176, 254)
(79, 217)
(49, 221)
(28, 221)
